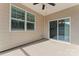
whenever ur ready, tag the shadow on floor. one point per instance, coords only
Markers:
(24, 45)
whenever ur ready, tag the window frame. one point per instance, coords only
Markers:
(25, 21)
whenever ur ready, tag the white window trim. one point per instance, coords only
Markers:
(58, 32)
(25, 30)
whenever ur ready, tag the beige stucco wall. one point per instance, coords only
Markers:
(11, 39)
(72, 12)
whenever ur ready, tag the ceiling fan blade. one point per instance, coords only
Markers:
(35, 3)
(43, 7)
(53, 4)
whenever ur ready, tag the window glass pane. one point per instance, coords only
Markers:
(53, 29)
(17, 13)
(30, 17)
(13, 12)
(20, 14)
(17, 25)
(30, 26)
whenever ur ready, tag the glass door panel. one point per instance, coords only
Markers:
(53, 29)
(61, 28)
(64, 29)
(67, 30)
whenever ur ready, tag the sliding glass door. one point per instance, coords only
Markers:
(60, 29)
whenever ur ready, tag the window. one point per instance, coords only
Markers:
(21, 20)
(17, 19)
(30, 22)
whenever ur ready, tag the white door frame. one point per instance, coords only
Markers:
(57, 29)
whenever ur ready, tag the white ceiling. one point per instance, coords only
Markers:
(49, 9)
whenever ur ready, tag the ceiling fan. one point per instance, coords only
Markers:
(43, 5)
